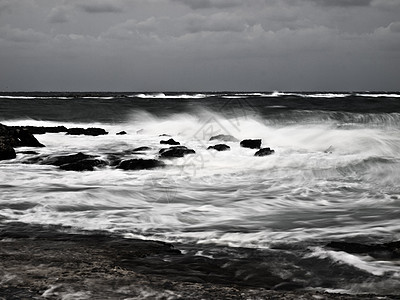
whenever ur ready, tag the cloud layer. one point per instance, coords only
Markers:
(200, 45)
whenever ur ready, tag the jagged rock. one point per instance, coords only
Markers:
(121, 133)
(252, 144)
(170, 142)
(83, 165)
(264, 152)
(66, 159)
(140, 164)
(18, 137)
(224, 137)
(220, 147)
(6, 151)
(176, 151)
(88, 131)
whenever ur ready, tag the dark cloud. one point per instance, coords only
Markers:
(100, 6)
(202, 4)
(343, 3)
(5, 7)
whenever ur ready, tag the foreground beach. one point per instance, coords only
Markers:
(40, 262)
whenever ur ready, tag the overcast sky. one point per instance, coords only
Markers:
(199, 45)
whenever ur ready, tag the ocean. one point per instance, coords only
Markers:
(334, 177)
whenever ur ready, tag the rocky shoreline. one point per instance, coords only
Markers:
(50, 262)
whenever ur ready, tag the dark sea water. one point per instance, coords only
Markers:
(335, 176)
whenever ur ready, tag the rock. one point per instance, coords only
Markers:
(121, 133)
(83, 165)
(264, 152)
(224, 137)
(220, 147)
(44, 129)
(27, 139)
(18, 137)
(176, 151)
(252, 144)
(88, 131)
(66, 159)
(139, 149)
(170, 142)
(140, 164)
(382, 251)
(164, 134)
(29, 152)
(6, 151)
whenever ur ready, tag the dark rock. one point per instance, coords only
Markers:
(170, 142)
(6, 151)
(220, 147)
(140, 164)
(382, 251)
(164, 134)
(66, 159)
(27, 139)
(45, 129)
(83, 165)
(264, 152)
(29, 152)
(224, 137)
(252, 144)
(121, 133)
(144, 148)
(176, 151)
(88, 131)
(18, 137)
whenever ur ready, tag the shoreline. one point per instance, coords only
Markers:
(47, 262)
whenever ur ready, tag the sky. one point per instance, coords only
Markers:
(199, 45)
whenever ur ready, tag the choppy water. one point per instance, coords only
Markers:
(335, 174)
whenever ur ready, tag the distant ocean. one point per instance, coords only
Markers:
(334, 176)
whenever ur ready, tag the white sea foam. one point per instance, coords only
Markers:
(178, 96)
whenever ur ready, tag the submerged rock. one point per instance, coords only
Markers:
(264, 152)
(140, 164)
(83, 165)
(252, 144)
(143, 148)
(176, 151)
(224, 137)
(121, 133)
(170, 142)
(66, 159)
(220, 147)
(93, 131)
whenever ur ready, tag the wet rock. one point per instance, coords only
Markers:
(143, 148)
(220, 147)
(140, 164)
(176, 151)
(382, 251)
(121, 133)
(6, 151)
(224, 137)
(83, 165)
(44, 129)
(252, 144)
(170, 142)
(93, 131)
(164, 134)
(264, 152)
(18, 137)
(66, 159)
(29, 152)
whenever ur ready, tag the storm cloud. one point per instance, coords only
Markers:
(164, 45)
